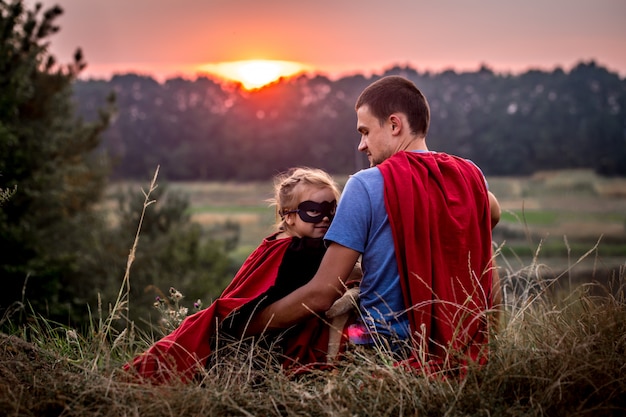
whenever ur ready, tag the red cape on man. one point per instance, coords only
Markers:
(182, 353)
(438, 208)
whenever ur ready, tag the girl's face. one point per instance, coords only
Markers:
(300, 228)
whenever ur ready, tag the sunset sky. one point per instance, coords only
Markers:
(334, 37)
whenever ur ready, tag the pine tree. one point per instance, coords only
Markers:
(49, 157)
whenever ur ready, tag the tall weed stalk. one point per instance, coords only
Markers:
(121, 307)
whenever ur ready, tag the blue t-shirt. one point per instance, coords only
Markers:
(361, 224)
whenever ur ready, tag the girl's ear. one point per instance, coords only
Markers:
(290, 219)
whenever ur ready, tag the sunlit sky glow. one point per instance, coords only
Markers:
(253, 73)
(334, 37)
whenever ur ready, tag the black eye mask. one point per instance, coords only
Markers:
(312, 212)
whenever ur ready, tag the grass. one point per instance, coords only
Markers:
(560, 350)
(555, 354)
(547, 217)
(559, 249)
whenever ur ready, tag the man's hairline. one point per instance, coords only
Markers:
(382, 120)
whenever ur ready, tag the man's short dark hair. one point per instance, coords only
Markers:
(395, 94)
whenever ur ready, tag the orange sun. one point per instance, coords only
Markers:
(254, 73)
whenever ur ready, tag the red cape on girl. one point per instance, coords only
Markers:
(182, 353)
(438, 209)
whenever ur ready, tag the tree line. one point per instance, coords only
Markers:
(509, 125)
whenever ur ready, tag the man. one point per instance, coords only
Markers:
(422, 222)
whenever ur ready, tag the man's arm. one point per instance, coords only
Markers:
(313, 298)
(496, 288)
(494, 207)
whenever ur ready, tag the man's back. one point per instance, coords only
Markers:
(438, 209)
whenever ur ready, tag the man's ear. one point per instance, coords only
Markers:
(396, 124)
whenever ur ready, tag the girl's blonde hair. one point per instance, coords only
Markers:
(287, 189)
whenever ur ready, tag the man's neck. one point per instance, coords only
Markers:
(415, 144)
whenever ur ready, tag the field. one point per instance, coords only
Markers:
(550, 218)
(571, 224)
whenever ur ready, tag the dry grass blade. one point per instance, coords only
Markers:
(121, 306)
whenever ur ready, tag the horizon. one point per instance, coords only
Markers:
(192, 75)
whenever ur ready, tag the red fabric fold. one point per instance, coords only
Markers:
(438, 209)
(182, 353)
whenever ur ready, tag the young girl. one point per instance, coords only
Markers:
(305, 201)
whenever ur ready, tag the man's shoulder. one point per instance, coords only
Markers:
(367, 180)
(363, 189)
(366, 174)
(444, 157)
